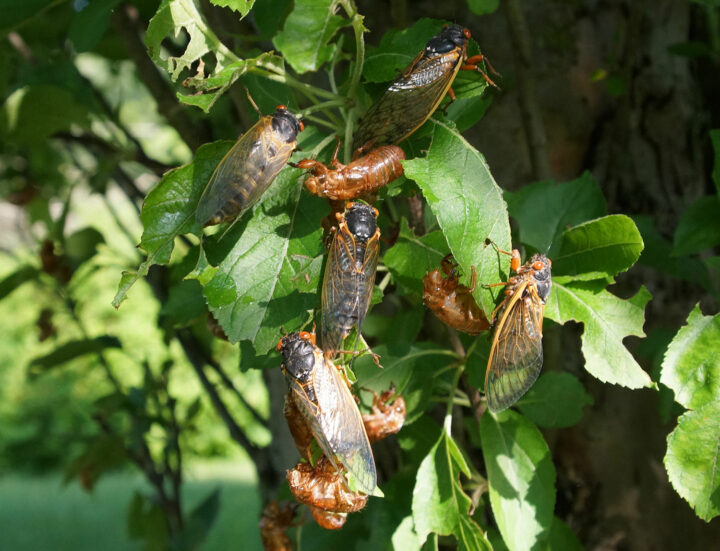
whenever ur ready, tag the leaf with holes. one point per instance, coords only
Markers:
(691, 367)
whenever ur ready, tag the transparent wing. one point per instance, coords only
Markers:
(516, 354)
(409, 101)
(339, 427)
(243, 175)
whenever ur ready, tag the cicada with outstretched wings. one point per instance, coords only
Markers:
(418, 90)
(319, 405)
(516, 353)
(248, 169)
(349, 275)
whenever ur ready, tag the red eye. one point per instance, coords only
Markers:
(538, 266)
(305, 335)
(467, 34)
(302, 126)
(279, 345)
(281, 108)
(376, 212)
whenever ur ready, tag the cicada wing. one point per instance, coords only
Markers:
(516, 354)
(340, 429)
(332, 297)
(408, 102)
(243, 174)
(367, 279)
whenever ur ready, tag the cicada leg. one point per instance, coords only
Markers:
(471, 64)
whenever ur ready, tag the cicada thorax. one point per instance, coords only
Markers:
(516, 353)
(416, 93)
(365, 175)
(349, 275)
(248, 169)
(319, 403)
(452, 302)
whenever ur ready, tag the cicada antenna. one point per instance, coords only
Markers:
(252, 101)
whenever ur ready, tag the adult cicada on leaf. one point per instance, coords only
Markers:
(363, 175)
(418, 90)
(451, 302)
(349, 275)
(248, 169)
(516, 353)
(320, 406)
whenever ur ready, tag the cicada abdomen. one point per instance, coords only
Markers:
(451, 302)
(362, 176)
(248, 169)
(516, 353)
(349, 275)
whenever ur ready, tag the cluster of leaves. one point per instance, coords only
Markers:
(455, 469)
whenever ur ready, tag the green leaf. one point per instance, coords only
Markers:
(692, 459)
(439, 504)
(169, 210)
(22, 275)
(556, 400)
(270, 16)
(397, 49)
(90, 23)
(33, 113)
(481, 7)
(243, 7)
(598, 249)
(73, 349)
(146, 521)
(521, 476)
(171, 17)
(16, 11)
(691, 367)
(259, 291)
(715, 139)
(699, 227)
(307, 31)
(544, 210)
(413, 370)
(608, 320)
(411, 257)
(214, 86)
(468, 204)
(184, 303)
(657, 254)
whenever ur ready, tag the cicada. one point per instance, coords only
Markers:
(319, 405)
(349, 275)
(418, 90)
(276, 519)
(516, 353)
(385, 418)
(323, 489)
(452, 302)
(251, 165)
(366, 174)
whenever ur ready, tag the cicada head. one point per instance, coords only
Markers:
(298, 356)
(451, 37)
(286, 124)
(541, 265)
(361, 220)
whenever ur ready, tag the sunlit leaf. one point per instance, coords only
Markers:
(693, 452)
(468, 204)
(439, 503)
(243, 7)
(307, 31)
(600, 248)
(691, 367)
(607, 320)
(521, 477)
